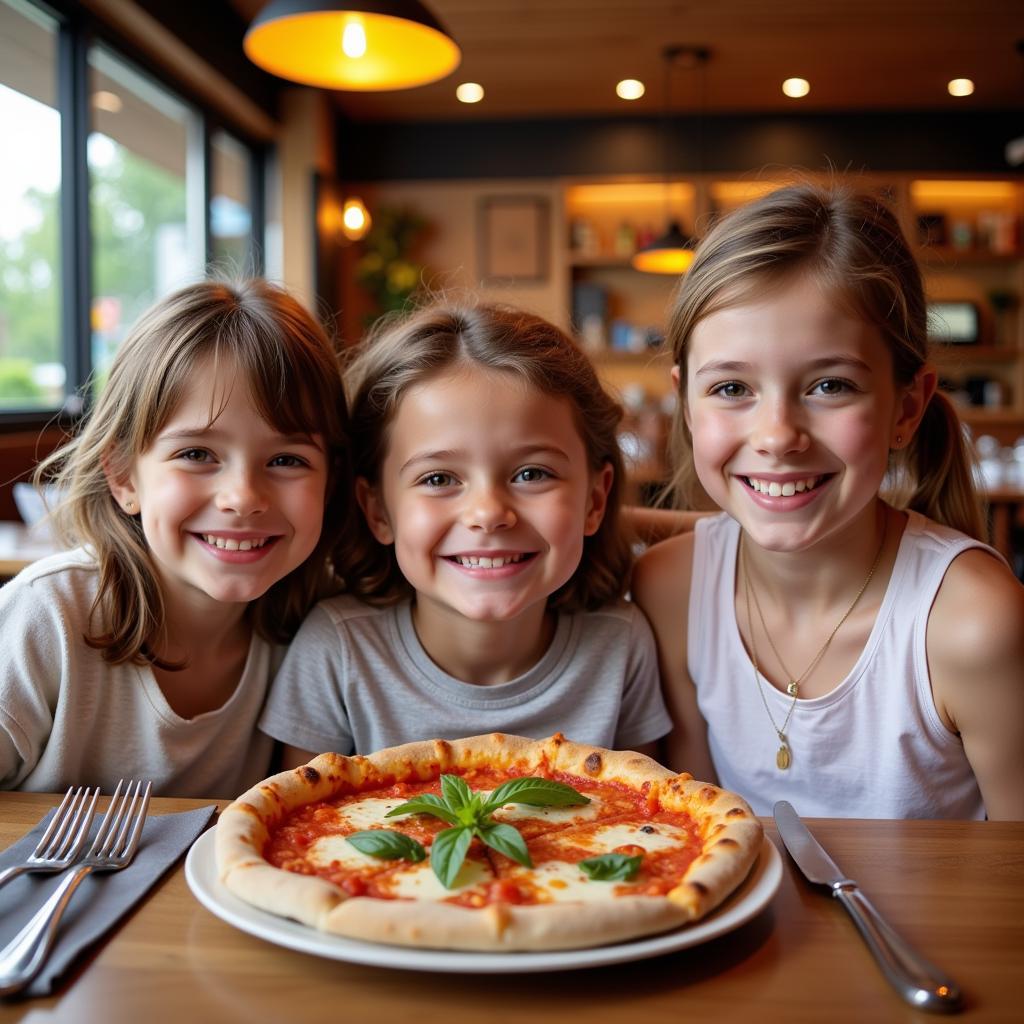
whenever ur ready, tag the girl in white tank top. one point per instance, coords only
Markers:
(817, 644)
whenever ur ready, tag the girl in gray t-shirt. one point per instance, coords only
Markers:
(487, 576)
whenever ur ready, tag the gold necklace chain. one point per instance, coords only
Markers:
(784, 757)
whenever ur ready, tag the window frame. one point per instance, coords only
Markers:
(77, 31)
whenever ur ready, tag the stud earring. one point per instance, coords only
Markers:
(129, 507)
(899, 441)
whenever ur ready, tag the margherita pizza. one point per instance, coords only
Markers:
(487, 843)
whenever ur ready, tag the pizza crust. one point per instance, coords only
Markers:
(728, 829)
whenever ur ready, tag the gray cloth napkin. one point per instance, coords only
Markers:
(102, 899)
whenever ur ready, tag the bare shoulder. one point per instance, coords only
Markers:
(977, 618)
(661, 577)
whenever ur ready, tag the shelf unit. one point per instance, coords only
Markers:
(967, 232)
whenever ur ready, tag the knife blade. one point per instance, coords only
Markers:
(917, 980)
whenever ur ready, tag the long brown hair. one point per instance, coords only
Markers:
(852, 242)
(405, 351)
(293, 375)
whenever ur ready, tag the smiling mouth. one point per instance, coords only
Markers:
(774, 489)
(230, 544)
(483, 562)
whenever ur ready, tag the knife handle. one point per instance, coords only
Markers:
(920, 983)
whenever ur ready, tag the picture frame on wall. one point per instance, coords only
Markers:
(514, 239)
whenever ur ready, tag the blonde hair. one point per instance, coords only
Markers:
(406, 350)
(853, 244)
(294, 380)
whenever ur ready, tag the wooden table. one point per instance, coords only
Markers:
(954, 888)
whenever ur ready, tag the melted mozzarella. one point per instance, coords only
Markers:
(556, 815)
(606, 838)
(369, 812)
(418, 881)
(328, 850)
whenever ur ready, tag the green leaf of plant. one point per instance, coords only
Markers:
(611, 867)
(448, 852)
(536, 792)
(427, 803)
(507, 840)
(387, 844)
(456, 793)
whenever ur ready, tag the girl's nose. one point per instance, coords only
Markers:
(778, 429)
(487, 509)
(241, 492)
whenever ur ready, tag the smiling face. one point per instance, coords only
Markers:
(793, 408)
(229, 507)
(486, 494)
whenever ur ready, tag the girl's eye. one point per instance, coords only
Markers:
(288, 461)
(531, 475)
(438, 480)
(195, 455)
(833, 386)
(730, 389)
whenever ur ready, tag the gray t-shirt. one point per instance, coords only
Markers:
(357, 679)
(68, 717)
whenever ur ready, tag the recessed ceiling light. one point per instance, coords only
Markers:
(629, 89)
(796, 87)
(103, 99)
(469, 92)
(960, 87)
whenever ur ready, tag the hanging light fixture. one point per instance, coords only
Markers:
(672, 252)
(361, 45)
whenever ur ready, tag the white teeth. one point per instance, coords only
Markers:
(228, 544)
(482, 562)
(776, 490)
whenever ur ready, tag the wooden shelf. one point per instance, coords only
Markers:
(945, 353)
(600, 260)
(624, 357)
(942, 257)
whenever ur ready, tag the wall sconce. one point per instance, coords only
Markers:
(355, 219)
(361, 45)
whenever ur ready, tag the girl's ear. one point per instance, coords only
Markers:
(597, 500)
(376, 515)
(679, 397)
(121, 485)
(910, 406)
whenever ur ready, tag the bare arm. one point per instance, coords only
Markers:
(661, 587)
(975, 645)
(651, 525)
(293, 757)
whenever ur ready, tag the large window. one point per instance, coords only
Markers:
(32, 367)
(114, 191)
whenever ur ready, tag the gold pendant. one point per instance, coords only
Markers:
(782, 758)
(793, 688)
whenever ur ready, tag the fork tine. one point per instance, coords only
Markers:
(110, 821)
(57, 821)
(69, 836)
(82, 823)
(140, 820)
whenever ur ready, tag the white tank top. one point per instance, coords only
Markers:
(874, 747)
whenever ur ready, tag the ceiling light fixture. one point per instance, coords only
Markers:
(362, 45)
(469, 92)
(630, 89)
(796, 88)
(960, 87)
(672, 252)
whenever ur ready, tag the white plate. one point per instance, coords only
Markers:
(749, 899)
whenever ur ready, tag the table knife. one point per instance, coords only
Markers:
(919, 982)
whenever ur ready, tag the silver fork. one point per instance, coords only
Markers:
(112, 849)
(64, 838)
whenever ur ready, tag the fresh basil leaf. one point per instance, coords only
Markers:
(448, 851)
(507, 840)
(387, 844)
(455, 792)
(611, 867)
(536, 792)
(427, 803)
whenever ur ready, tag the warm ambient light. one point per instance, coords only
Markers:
(103, 99)
(362, 45)
(630, 89)
(960, 87)
(794, 88)
(672, 253)
(355, 219)
(469, 92)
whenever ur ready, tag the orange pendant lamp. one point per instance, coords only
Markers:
(672, 252)
(362, 45)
